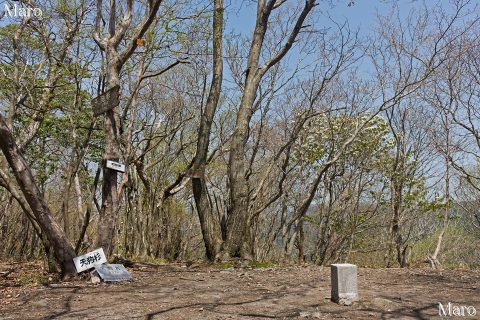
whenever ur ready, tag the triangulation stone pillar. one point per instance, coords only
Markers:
(344, 283)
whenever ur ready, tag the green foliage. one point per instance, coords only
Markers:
(460, 248)
(58, 116)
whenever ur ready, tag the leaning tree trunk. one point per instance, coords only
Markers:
(209, 221)
(62, 249)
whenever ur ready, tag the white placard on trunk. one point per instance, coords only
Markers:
(117, 166)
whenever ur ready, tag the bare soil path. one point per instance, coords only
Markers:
(176, 292)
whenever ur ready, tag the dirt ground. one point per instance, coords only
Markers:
(180, 292)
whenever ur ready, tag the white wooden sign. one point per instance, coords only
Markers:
(115, 166)
(90, 260)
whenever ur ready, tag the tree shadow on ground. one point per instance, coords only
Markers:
(67, 305)
(421, 313)
(398, 313)
(211, 307)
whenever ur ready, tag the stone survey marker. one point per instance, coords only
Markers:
(89, 260)
(344, 283)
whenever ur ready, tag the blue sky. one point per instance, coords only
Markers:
(361, 13)
(241, 14)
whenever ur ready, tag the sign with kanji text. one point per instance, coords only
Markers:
(106, 101)
(90, 260)
(113, 272)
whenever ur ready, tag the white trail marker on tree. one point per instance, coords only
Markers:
(117, 166)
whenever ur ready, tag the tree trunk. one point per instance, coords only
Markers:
(209, 221)
(238, 218)
(63, 250)
(235, 244)
(115, 62)
(301, 241)
(434, 262)
(109, 209)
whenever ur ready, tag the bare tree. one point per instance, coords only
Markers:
(109, 43)
(209, 221)
(237, 221)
